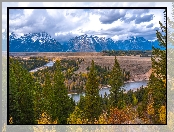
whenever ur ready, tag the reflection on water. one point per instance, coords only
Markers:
(49, 64)
(127, 87)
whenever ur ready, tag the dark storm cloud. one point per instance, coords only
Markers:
(135, 29)
(111, 16)
(145, 18)
(128, 20)
(114, 15)
(136, 15)
(149, 26)
(116, 29)
(149, 33)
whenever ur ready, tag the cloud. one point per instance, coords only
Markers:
(145, 18)
(127, 15)
(147, 33)
(116, 29)
(112, 15)
(133, 14)
(150, 25)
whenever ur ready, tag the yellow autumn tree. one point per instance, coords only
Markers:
(76, 117)
(150, 107)
(162, 114)
(46, 119)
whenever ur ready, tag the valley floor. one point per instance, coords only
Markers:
(139, 67)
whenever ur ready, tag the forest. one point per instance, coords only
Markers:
(42, 97)
(141, 53)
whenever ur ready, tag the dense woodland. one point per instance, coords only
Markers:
(147, 53)
(42, 97)
(32, 62)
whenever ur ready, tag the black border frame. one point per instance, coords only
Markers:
(8, 8)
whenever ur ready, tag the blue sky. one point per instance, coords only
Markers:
(117, 24)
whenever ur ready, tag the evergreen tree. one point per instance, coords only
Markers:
(135, 100)
(21, 101)
(116, 81)
(157, 81)
(92, 99)
(48, 95)
(62, 105)
(38, 100)
(81, 104)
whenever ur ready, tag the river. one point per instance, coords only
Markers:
(49, 64)
(127, 87)
(76, 97)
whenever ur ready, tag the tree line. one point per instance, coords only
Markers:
(141, 53)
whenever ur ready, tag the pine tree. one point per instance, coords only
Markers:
(21, 101)
(38, 100)
(157, 81)
(92, 108)
(81, 103)
(47, 96)
(135, 100)
(116, 82)
(61, 105)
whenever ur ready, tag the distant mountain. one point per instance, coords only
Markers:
(34, 42)
(94, 43)
(136, 43)
(43, 42)
(86, 43)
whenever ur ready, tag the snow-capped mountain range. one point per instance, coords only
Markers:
(43, 42)
(33, 42)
